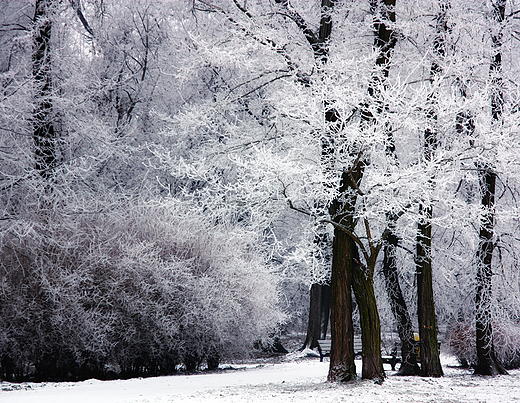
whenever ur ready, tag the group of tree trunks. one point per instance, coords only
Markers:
(349, 274)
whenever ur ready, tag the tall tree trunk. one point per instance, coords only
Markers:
(342, 367)
(398, 304)
(429, 348)
(363, 286)
(44, 136)
(385, 41)
(487, 361)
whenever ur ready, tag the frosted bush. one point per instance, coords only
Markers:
(462, 343)
(135, 290)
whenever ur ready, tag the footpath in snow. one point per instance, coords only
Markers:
(295, 379)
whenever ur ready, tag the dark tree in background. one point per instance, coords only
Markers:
(44, 133)
(398, 305)
(487, 361)
(315, 315)
(385, 41)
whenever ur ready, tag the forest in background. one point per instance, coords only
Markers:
(180, 180)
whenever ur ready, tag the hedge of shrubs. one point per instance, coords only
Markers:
(135, 292)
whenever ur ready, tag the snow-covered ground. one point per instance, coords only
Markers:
(295, 379)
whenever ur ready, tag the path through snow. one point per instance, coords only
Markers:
(296, 379)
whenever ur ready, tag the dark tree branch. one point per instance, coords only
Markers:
(76, 5)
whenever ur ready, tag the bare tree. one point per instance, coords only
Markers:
(487, 361)
(429, 349)
(44, 133)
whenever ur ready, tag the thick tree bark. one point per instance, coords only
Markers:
(344, 257)
(487, 360)
(342, 367)
(399, 309)
(363, 286)
(44, 135)
(429, 349)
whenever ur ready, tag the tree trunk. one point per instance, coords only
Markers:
(363, 286)
(342, 367)
(314, 324)
(44, 136)
(344, 256)
(385, 41)
(319, 43)
(319, 296)
(429, 349)
(487, 361)
(325, 309)
(398, 304)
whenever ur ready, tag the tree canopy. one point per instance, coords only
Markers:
(172, 173)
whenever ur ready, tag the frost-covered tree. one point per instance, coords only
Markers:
(101, 276)
(284, 124)
(487, 361)
(272, 119)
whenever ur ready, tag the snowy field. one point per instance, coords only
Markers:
(294, 379)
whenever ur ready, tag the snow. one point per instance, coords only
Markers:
(298, 378)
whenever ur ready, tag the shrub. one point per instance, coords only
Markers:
(462, 342)
(132, 292)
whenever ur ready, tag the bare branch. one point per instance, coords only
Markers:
(264, 41)
(76, 5)
(243, 9)
(309, 34)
